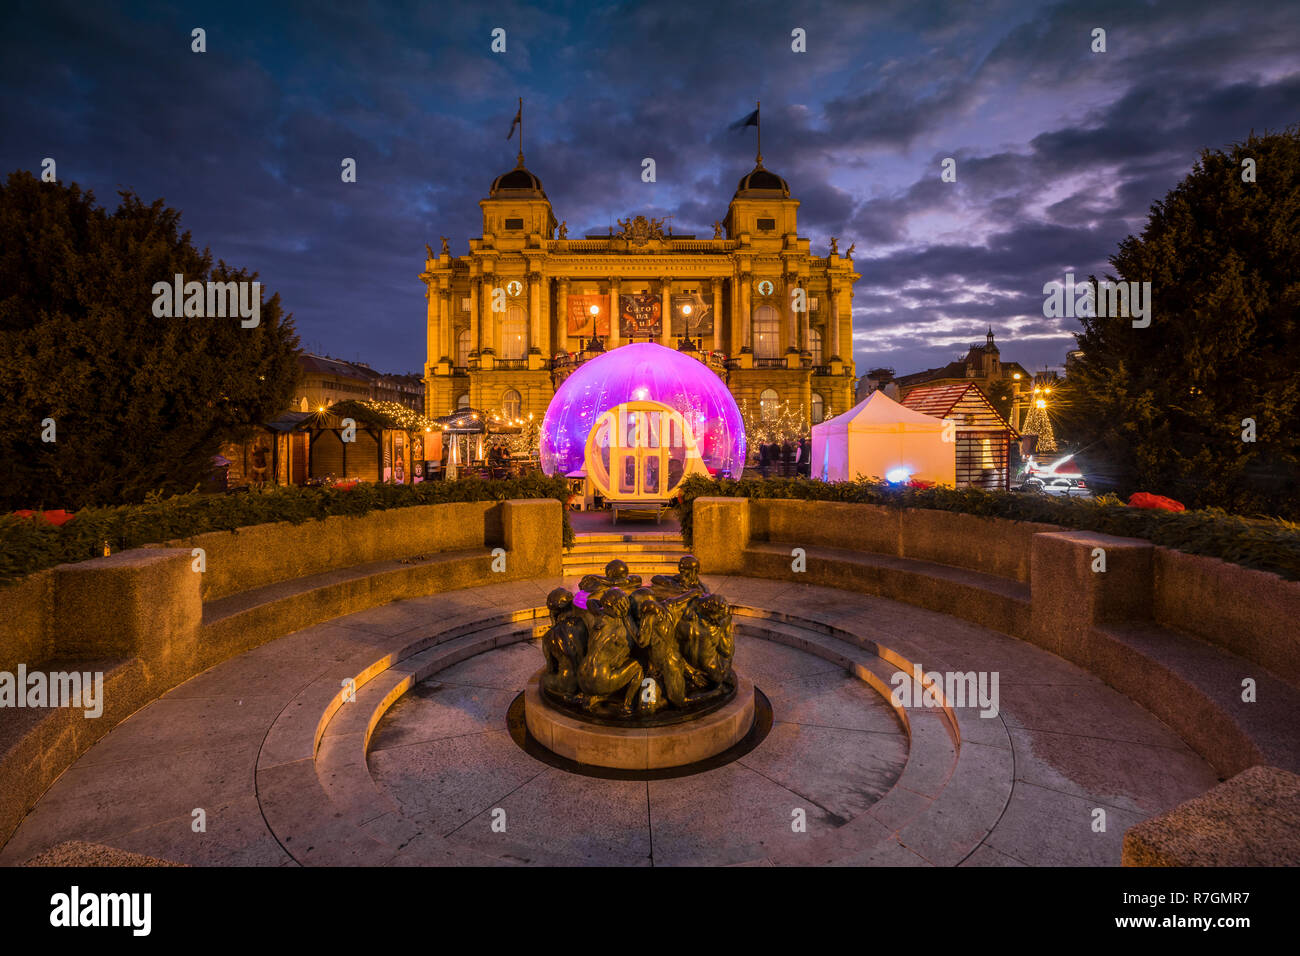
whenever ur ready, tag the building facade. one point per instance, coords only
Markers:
(510, 320)
(983, 366)
(328, 380)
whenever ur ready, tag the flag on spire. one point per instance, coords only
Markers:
(753, 120)
(750, 120)
(519, 118)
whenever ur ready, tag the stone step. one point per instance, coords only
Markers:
(626, 547)
(641, 557)
(644, 570)
(606, 538)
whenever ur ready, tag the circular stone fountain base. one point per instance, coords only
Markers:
(639, 748)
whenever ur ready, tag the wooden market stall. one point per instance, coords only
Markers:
(275, 453)
(983, 436)
(370, 441)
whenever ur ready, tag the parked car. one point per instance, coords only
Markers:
(1059, 485)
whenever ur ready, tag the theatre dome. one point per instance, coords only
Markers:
(762, 182)
(517, 182)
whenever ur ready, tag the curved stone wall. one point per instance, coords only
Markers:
(147, 620)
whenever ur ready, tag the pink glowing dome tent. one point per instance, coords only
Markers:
(643, 372)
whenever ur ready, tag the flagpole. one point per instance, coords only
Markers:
(521, 131)
(758, 122)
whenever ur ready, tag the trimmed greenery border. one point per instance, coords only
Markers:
(1263, 544)
(32, 544)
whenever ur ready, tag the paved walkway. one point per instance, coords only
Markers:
(634, 523)
(443, 755)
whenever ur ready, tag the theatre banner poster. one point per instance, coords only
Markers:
(698, 322)
(581, 322)
(639, 315)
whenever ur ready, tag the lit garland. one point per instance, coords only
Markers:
(786, 425)
(524, 443)
(392, 415)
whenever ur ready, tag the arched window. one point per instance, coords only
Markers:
(511, 404)
(818, 407)
(514, 334)
(815, 345)
(462, 400)
(767, 405)
(767, 332)
(462, 348)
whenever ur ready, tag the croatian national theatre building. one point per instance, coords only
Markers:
(508, 322)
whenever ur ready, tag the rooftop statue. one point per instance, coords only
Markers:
(641, 230)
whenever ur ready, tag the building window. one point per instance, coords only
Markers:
(462, 400)
(818, 408)
(767, 405)
(511, 404)
(767, 332)
(462, 348)
(514, 329)
(815, 345)
(514, 224)
(767, 225)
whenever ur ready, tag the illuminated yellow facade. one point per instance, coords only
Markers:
(510, 320)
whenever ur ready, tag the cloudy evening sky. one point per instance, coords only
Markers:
(1060, 151)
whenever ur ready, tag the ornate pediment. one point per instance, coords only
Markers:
(640, 230)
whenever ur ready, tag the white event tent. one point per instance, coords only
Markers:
(880, 438)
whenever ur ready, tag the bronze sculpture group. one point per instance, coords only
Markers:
(634, 651)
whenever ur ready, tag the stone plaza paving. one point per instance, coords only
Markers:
(441, 765)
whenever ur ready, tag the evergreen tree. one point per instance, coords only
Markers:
(1161, 408)
(139, 404)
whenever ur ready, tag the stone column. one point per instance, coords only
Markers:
(613, 340)
(746, 331)
(717, 315)
(534, 312)
(489, 322)
(444, 325)
(834, 343)
(544, 317)
(475, 286)
(666, 311)
(432, 337)
(733, 330)
(805, 323)
(562, 320)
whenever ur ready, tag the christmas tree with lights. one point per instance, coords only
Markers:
(1038, 423)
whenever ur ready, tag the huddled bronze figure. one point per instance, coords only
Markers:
(635, 651)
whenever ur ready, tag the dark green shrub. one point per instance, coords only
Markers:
(1264, 544)
(30, 544)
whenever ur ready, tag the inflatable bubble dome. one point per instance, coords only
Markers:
(643, 371)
